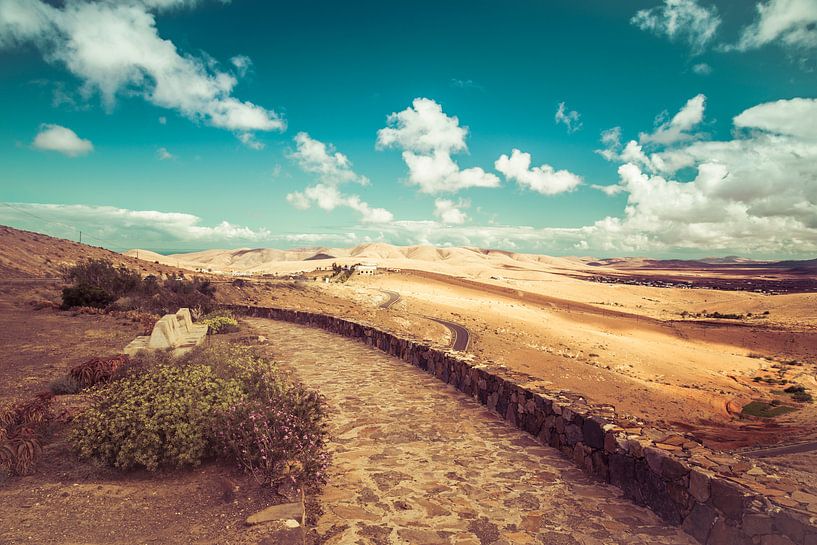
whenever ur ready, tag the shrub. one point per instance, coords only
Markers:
(220, 324)
(85, 295)
(278, 437)
(160, 417)
(22, 431)
(97, 370)
(99, 283)
(103, 274)
(66, 385)
(224, 400)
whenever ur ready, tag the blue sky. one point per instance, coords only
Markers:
(174, 124)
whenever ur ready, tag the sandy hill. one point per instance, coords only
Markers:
(457, 261)
(24, 254)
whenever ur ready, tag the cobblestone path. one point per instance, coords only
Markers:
(417, 462)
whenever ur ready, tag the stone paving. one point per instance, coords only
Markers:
(417, 462)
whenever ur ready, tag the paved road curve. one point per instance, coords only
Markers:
(417, 462)
(766, 452)
(393, 298)
(460, 336)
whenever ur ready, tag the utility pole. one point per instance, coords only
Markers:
(80, 237)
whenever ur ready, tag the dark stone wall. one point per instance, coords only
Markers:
(709, 494)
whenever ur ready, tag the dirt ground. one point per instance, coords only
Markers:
(71, 502)
(690, 374)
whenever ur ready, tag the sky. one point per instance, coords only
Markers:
(674, 128)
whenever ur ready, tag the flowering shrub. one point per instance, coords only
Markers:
(160, 417)
(224, 400)
(220, 324)
(277, 437)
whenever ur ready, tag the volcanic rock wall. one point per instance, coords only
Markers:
(717, 498)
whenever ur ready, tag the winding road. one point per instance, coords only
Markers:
(461, 337)
(766, 452)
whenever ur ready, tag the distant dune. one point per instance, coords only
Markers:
(459, 261)
(453, 260)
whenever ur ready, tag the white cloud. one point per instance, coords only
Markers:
(795, 117)
(331, 166)
(162, 120)
(115, 48)
(249, 140)
(62, 140)
(702, 69)
(242, 64)
(792, 23)
(609, 190)
(678, 128)
(681, 20)
(332, 169)
(543, 179)
(466, 84)
(123, 226)
(450, 212)
(570, 119)
(163, 155)
(423, 128)
(754, 193)
(428, 137)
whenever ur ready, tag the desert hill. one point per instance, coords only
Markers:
(24, 254)
(451, 260)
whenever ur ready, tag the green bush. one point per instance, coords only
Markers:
(86, 296)
(220, 324)
(99, 283)
(224, 400)
(160, 417)
(103, 274)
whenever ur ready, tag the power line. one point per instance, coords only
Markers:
(109, 244)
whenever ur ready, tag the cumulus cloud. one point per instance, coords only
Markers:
(543, 179)
(754, 193)
(569, 118)
(62, 140)
(450, 212)
(681, 20)
(163, 155)
(115, 48)
(331, 166)
(796, 117)
(678, 128)
(332, 169)
(428, 138)
(791, 23)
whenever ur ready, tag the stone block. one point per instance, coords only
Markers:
(725, 534)
(573, 434)
(776, 540)
(786, 524)
(757, 524)
(699, 522)
(728, 498)
(699, 484)
(593, 431)
(283, 511)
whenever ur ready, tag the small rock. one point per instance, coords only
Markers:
(283, 511)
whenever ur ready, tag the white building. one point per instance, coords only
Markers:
(366, 270)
